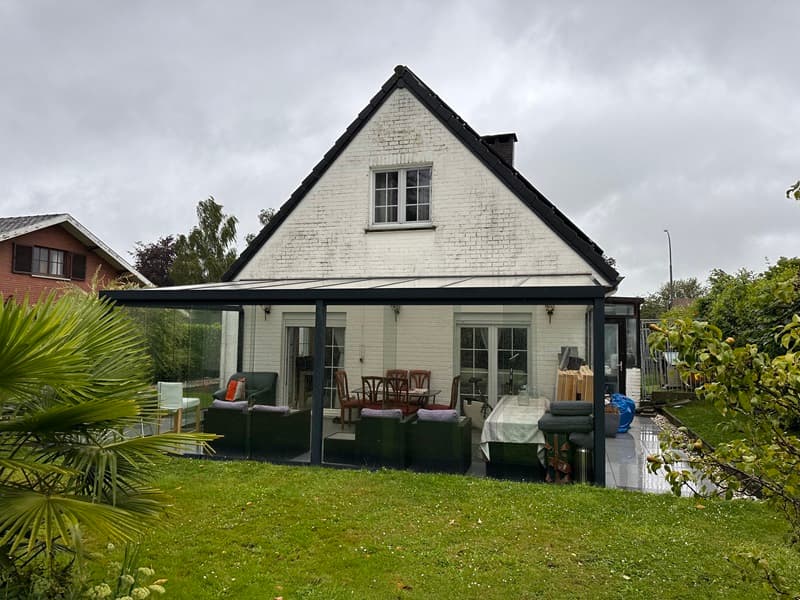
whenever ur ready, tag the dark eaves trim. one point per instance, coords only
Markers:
(403, 77)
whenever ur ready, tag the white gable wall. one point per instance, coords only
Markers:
(481, 227)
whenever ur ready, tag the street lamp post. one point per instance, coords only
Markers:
(671, 288)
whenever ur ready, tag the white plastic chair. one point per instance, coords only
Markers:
(171, 400)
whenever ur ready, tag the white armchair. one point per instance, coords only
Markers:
(171, 401)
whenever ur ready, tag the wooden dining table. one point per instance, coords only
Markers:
(422, 395)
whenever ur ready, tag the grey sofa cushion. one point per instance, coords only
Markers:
(424, 414)
(568, 408)
(270, 408)
(240, 405)
(382, 413)
(551, 423)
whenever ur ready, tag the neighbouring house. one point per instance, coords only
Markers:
(415, 244)
(40, 253)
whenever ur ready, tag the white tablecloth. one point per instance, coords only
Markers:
(514, 422)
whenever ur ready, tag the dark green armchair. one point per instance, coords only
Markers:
(381, 438)
(443, 446)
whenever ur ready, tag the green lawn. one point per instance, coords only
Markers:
(253, 530)
(705, 421)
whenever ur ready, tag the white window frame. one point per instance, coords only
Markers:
(401, 222)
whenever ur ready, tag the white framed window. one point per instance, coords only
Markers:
(401, 196)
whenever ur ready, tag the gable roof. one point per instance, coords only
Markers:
(403, 77)
(14, 227)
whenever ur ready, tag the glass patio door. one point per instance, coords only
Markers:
(614, 356)
(493, 361)
(299, 355)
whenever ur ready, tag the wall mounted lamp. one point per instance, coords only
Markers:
(550, 309)
(267, 310)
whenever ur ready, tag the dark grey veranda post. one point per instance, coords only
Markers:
(318, 392)
(598, 338)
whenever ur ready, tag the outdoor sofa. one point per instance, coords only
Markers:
(260, 386)
(258, 431)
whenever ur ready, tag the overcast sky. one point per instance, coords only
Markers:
(632, 117)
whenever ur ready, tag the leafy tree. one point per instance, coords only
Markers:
(751, 307)
(794, 191)
(657, 304)
(764, 456)
(206, 253)
(155, 260)
(265, 215)
(73, 377)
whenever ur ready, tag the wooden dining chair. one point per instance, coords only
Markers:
(393, 373)
(454, 389)
(373, 391)
(419, 379)
(397, 395)
(346, 399)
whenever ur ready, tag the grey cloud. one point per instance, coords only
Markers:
(632, 116)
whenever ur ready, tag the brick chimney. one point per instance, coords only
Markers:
(502, 144)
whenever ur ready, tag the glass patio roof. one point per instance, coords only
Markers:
(555, 288)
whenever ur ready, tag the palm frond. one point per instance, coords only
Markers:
(60, 416)
(28, 518)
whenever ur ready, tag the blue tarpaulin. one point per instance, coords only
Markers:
(627, 409)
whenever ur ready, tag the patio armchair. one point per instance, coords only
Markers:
(171, 401)
(279, 432)
(381, 437)
(231, 421)
(440, 441)
(260, 386)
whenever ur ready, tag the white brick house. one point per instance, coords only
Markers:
(420, 246)
(477, 226)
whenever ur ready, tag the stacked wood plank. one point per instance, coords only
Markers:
(575, 384)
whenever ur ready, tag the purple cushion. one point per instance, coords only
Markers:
(268, 408)
(382, 413)
(437, 415)
(240, 405)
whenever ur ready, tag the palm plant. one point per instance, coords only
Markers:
(73, 376)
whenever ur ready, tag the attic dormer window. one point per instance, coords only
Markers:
(402, 196)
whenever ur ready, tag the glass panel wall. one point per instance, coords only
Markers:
(481, 362)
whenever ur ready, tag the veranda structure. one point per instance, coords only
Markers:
(576, 299)
(413, 237)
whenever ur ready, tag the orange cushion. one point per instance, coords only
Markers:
(230, 391)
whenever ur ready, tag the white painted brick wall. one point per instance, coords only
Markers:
(421, 338)
(481, 227)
